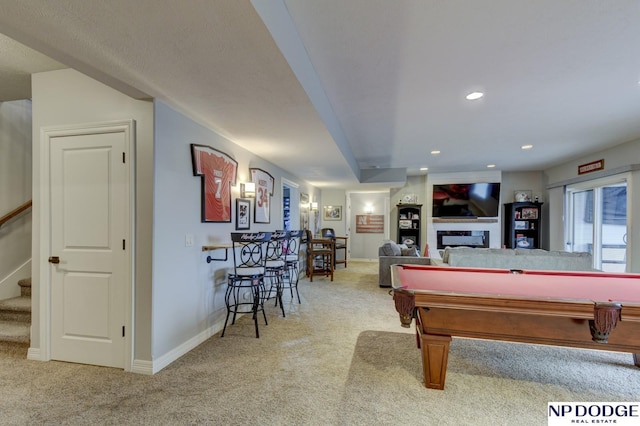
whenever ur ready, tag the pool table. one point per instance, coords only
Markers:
(594, 310)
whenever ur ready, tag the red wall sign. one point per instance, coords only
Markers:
(591, 167)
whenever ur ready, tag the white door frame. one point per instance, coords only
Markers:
(46, 134)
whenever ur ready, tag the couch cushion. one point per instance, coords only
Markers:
(390, 248)
(533, 259)
(455, 256)
(385, 262)
(411, 251)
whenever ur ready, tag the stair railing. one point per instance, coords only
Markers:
(15, 212)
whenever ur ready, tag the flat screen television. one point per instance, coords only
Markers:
(466, 200)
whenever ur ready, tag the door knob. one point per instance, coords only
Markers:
(54, 259)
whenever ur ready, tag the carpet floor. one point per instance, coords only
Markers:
(338, 358)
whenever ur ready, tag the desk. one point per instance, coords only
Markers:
(594, 310)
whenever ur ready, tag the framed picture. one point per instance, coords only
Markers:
(243, 208)
(264, 190)
(304, 211)
(404, 224)
(529, 213)
(524, 243)
(520, 224)
(332, 213)
(521, 195)
(217, 172)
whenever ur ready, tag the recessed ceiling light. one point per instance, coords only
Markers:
(424, 168)
(474, 95)
(526, 146)
(491, 166)
(435, 152)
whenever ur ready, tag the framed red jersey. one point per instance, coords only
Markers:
(218, 172)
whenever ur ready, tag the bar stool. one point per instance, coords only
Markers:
(340, 243)
(292, 259)
(249, 264)
(275, 265)
(320, 253)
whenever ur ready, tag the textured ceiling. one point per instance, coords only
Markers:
(326, 88)
(17, 63)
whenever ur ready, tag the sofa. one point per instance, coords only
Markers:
(535, 259)
(391, 253)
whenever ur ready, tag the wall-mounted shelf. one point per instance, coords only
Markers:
(221, 246)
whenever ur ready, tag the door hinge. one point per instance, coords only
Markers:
(123, 245)
(123, 158)
(123, 331)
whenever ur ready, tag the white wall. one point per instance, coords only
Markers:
(188, 292)
(416, 185)
(177, 294)
(494, 228)
(67, 97)
(622, 158)
(15, 189)
(334, 197)
(364, 246)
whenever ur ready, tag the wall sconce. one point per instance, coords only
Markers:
(248, 190)
(314, 206)
(368, 209)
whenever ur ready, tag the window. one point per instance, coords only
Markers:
(598, 221)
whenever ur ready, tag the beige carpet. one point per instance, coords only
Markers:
(339, 358)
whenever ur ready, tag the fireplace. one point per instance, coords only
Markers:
(463, 238)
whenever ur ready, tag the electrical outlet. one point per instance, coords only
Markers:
(188, 240)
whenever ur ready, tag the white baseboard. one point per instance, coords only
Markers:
(142, 367)
(9, 285)
(33, 354)
(152, 367)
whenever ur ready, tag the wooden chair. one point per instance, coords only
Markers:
(340, 243)
(320, 252)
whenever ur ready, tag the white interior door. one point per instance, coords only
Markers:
(89, 208)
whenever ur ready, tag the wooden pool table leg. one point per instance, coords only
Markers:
(636, 359)
(435, 353)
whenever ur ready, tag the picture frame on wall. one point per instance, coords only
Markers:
(243, 214)
(264, 182)
(304, 211)
(215, 199)
(332, 213)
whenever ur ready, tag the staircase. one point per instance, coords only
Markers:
(15, 316)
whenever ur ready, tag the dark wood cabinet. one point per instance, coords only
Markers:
(409, 221)
(522, 225)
